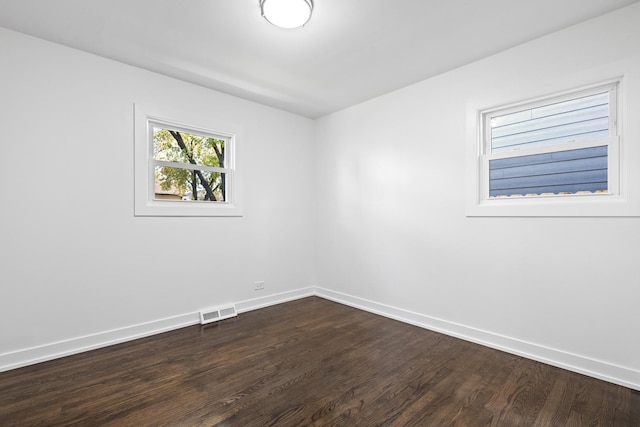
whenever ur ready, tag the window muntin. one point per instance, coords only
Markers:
(559, 146)
(189, 165)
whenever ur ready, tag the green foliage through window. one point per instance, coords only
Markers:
(178, 177)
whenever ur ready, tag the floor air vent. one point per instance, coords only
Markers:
(215, 314)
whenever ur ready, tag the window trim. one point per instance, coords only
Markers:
(145, 117)
(614, 203)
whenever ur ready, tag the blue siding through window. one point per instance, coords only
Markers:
(564, 172)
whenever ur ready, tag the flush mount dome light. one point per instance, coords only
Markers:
(287, 13)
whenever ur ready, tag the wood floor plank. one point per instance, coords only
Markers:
(309, 362)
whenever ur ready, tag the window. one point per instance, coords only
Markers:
(553, 156)
(183, 169)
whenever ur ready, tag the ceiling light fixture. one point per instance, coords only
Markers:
(287, 13)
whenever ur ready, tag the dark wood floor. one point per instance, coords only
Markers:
(309, 362)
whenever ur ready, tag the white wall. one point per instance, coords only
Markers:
(393, 236)
(77, 268)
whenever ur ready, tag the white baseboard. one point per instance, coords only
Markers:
(268, 300)
(573, 362)
(43, 353)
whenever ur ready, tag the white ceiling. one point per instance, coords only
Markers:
(350, 51)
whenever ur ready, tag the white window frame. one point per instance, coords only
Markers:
(613, 203)
(145, 118)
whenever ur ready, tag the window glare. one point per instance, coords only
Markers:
(579, 119)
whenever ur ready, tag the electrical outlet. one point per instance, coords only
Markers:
(258, 286)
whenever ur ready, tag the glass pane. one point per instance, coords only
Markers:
(583, 170)
(189, 185)
(178, 146)
(578, 119)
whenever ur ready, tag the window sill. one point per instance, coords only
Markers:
(177, 208)
(594, 205)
